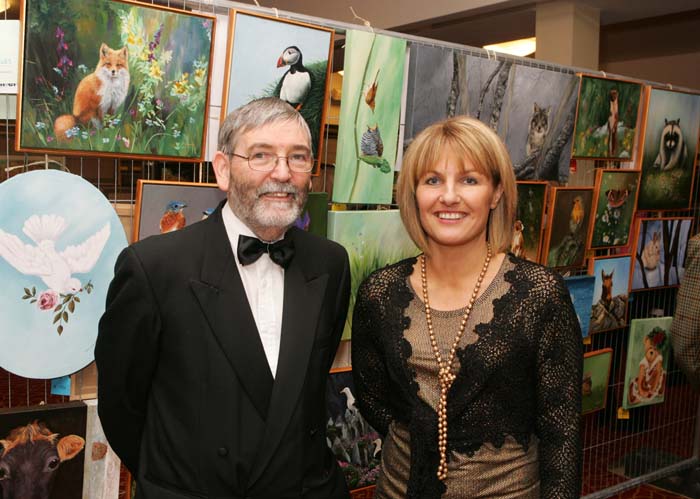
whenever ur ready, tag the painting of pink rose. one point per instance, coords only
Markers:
(48, 299)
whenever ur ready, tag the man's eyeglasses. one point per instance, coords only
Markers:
(299, 162)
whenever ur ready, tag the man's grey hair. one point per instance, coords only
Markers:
(256, 114)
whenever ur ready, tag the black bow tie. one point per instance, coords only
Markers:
(251, 248)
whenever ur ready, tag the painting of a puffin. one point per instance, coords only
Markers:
(297, 81)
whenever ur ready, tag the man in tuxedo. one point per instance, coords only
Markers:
(215, 346)
(685, 329)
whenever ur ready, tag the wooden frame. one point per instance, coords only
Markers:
(314, 108)
(533, 218)
(162, 98)
(632, 97)
(653, 259)
(644, 380)
(616, 205)
(566, 213)
(337, 415)
(590, 355)
(610, 313)
(152, 203)
(660, 183)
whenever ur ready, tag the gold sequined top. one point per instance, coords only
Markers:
(513, 409)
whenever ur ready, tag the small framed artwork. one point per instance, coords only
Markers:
(292, 61)
(314, 218)
(648, 351)
(610, 292)
(581, 293)
(565, 242)
(44, 434)
(669, 150)
(122, 83)
(596, 376)
(613, 207)
(606, 118)
(163, 206)
(660, 246)
(529, 220)
(355, 444)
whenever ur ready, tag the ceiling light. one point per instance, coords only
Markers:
(522, 47)
(4, 5)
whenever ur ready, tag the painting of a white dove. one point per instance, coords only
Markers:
(43, 259)
(59, 239)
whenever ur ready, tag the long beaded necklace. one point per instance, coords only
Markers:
(445, 375)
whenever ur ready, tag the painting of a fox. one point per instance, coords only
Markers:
(100, 92)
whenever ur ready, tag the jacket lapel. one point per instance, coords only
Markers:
(223, 301)
(303, 296)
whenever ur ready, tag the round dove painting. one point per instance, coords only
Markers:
(59, 239)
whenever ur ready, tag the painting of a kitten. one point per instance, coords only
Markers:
(537, 130)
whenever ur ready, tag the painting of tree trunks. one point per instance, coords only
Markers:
(660, 248)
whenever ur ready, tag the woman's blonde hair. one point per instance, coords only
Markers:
(477, 144)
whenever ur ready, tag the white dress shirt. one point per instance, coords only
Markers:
(263, 282)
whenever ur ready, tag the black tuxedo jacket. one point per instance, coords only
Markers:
(186, 397)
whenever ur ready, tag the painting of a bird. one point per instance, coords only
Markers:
(173, 218)
(54, 267)
(296, 83)
(577, 215)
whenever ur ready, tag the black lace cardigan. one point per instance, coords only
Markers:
(522, 376)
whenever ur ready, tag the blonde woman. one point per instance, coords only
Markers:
(467, 358)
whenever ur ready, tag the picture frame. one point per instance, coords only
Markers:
(669, 150)
(581, 293)
(355, 444)
(606, 118)
(529, 219)
(648, 352)
(159, 86)
(247, 78)
(610, 292)
(373, 239)
(163, 206)
(69, 422)
(596, 377)
(614, 203)
(659, 252)
(569, 222)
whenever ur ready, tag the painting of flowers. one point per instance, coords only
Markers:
(614, 201)
(669, 150)
(131, 81)
(355, 444)
(529, 220)
(596, 375)
(59, 240)
(565, 242)
(606, 118)
(648, 351)
(292, 61)
(369, 118)
(610, 292)
(660, 247)
(372, 239)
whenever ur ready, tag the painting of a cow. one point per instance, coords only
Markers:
(30, 457)
(41, 451)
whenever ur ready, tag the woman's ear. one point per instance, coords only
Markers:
(497, 193)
